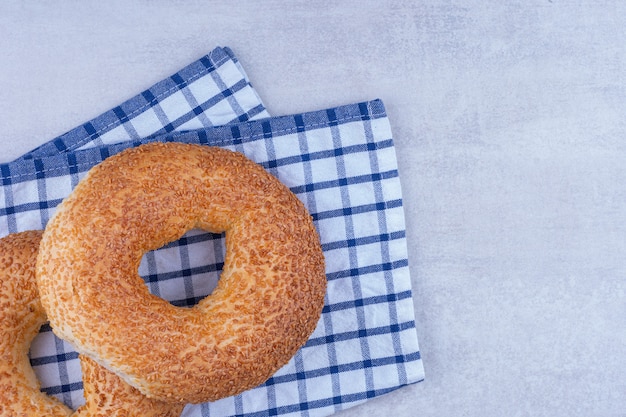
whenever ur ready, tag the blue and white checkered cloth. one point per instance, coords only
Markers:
(340, 162)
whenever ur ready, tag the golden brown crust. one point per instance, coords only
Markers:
(21, 316)
(106, 395)
(268, 299)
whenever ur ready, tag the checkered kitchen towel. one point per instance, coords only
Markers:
(341, 163)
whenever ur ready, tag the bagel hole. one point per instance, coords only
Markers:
(185, 271)
(57, 367)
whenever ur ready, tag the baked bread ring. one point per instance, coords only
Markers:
(21, 316)
(268, 299)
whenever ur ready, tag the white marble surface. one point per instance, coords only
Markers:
(509, 124)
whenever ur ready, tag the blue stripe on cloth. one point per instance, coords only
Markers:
(368, 269)
(387, 298)
(365, 343)
(63, 389)
(59, 145)
(66, 384)
(61, 357)
(336, 369)
(352, 245)
(382, 223)
(5, 171)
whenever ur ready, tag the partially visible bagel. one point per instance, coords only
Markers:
(21, 316)
(267, 302)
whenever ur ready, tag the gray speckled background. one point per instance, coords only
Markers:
(510, 131)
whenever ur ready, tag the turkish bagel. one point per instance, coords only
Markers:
(268, 299)
(21, 316)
